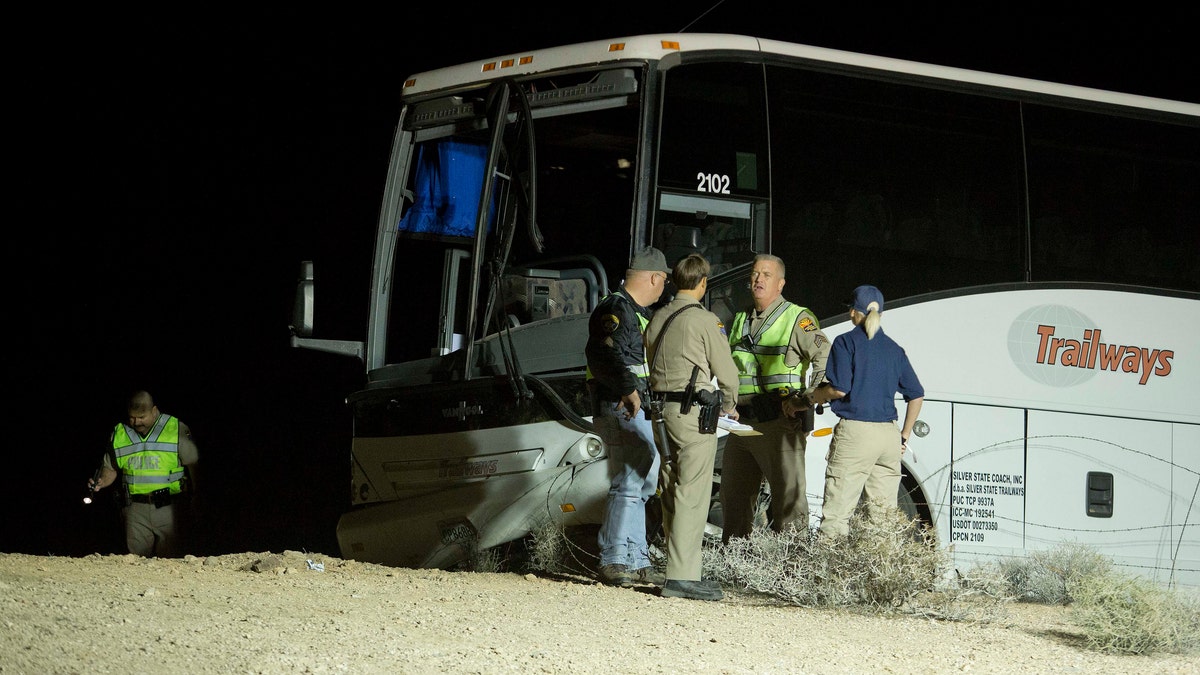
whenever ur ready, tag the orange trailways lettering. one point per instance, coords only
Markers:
(1091, 352)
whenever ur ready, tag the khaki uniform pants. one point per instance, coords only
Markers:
(686, 482)
(863, 461)
(151, 531)
(778, 456)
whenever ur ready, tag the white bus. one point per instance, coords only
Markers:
(1037, 244)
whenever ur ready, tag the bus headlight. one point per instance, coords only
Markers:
(593, 447)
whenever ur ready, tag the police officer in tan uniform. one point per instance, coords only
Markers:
(778, 347)
(154, 455)
(686, 343)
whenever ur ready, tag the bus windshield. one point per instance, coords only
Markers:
(566, 160)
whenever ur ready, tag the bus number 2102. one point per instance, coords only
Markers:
(712, 182)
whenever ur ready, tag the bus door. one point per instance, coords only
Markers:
(727, 232)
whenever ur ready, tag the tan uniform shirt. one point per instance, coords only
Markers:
(808, 341)
(695, 338)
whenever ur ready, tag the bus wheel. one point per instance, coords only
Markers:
(911, 502)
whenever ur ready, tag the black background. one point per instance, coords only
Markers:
(171, 173)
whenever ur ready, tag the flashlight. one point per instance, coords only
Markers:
(92, 487)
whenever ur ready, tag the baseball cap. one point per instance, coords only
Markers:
(863, 296)
(650, 259)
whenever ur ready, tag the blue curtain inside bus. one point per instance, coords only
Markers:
(449, 178)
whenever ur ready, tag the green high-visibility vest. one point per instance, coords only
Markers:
(759, 358)
(150, 463)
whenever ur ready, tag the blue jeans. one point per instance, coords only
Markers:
(633, 462)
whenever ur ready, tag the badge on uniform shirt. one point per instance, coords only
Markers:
(721, 327)
(610, 323)
(806, 324)
(819, 339)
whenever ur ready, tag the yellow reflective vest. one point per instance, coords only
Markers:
(760, 358)
(150, 463)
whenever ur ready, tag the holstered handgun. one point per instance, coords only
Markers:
(710, 410)
(805, 421)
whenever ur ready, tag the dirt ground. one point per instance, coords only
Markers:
(297, 612)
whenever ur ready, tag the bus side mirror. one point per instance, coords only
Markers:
(302, 313)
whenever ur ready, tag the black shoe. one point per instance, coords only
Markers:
(648, 575)
(692, 590)
(615, 575)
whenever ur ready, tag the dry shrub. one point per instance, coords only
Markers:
(886, 562)
(891, 563)
(547, 548)
(485, 559)
(1131, 615)
(553, 548)
(474, 558)
(1049, 577)
(1117, 613)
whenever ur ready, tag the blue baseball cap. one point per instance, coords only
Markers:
(864, 296)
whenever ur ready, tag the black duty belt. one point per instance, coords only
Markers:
(671, 396)
(158, 497)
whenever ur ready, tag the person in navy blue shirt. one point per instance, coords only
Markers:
(864, 371)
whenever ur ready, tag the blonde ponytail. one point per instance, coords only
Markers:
(871, 322)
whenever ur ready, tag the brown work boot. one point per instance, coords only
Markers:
(615, 575)
(648, 575)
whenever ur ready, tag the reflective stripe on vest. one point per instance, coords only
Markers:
(760, 358)
(150, 463)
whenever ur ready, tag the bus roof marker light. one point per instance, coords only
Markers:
(616, 47)
(526, 60)
(670, 44)
(410, 82)
(507, 63)
(568, 508)
(489, 67)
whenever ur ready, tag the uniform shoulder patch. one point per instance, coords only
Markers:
(721, 327)
(806, 324)
(610, 323)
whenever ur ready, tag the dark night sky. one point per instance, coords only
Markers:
(176, 170)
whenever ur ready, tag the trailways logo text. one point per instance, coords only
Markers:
(1091, 353)
(1059, 346)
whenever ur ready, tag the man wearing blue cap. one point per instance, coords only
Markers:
(865, 370)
